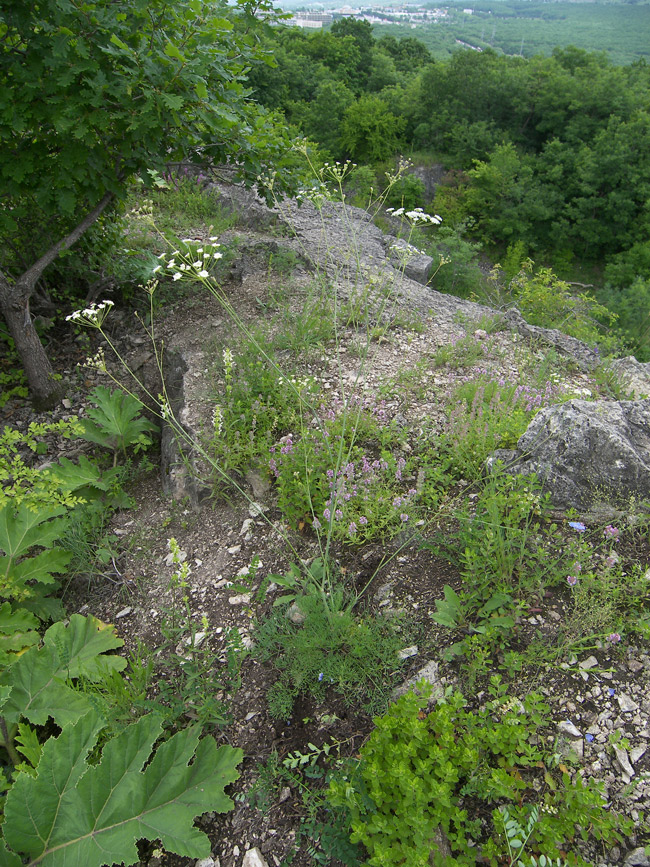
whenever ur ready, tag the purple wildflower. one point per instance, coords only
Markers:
(613, 638)
(611, 533)
(327, 514)
(404, 517)
(363, 520)
(572, 580)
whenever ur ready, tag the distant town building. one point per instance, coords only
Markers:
(409, 15)
(313, 20)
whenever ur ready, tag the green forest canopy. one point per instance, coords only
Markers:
(552, 153)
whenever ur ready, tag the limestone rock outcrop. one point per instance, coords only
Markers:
(592, 456)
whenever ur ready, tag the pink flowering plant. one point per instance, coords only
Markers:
(489, 413)
(254, 407)
(326, 477)
(608, 593)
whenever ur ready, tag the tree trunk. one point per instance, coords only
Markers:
(14, 304)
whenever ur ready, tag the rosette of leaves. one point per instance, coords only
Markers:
(116, 422)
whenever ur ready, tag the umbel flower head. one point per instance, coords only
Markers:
(92, 316)
(195, 259)
(416, 216)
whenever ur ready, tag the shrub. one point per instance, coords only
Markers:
(424, 784)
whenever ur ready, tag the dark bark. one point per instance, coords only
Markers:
(14, 304)
(45, 390)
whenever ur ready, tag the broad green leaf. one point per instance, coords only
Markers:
(115, 40)
(16, 621)
(221, 23)
(5, 692)
(450, 610)
(17, 632)
(13, 645)
(39, 690)
(85, 473)
(172, 51)
(8, 859)
(46, 608)
(28, 744)
(116, 420)
(38, 677)
(174, 103)
(40, 568)
(63, 762)
(93, 815)
(85, 640)
(201, 90)
(21, 529)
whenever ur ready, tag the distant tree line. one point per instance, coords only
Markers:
(552, 153)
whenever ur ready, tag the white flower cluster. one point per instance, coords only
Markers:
(298, 382)
(338, 171)
(97, 361)
(217, 419)
(402, 166)
(194, 261)
(143, 210)
(267, 181)
(416, 216)
(404, 252)
(165, 409)
(93, 316)
(316, 194)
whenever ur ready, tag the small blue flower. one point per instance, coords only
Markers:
(577, 525)
(589, 738)
(611, 691)
(321, 676)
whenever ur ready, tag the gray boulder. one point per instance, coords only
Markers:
(407, 258)
(633, 375)
(592, 456)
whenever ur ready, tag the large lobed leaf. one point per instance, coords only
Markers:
(18, 631)
(38, 677)
(116, 420)
(83, 476)
(20, 530)
(75, 815)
